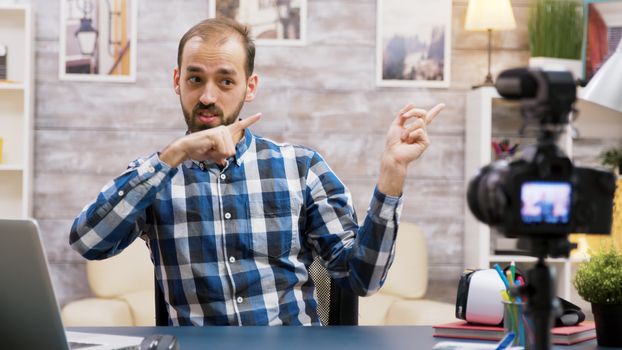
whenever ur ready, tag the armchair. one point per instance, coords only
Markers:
(123, 293)
(401, 299)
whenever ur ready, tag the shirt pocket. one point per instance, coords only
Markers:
(271, 228)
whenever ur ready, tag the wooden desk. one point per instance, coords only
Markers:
(300, 338)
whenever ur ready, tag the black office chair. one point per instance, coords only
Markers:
(335, 305)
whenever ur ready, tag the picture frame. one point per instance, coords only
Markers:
(413, 43)
(272, 22)
(601, 35)
(98, 40)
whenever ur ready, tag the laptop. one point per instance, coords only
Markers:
(29, 313)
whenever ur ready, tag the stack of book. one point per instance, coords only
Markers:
(560, 335)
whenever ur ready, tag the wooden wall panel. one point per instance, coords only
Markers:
(322, 95)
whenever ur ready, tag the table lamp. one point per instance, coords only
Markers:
(600, 112)
(600, 104)
(489, 15)
(605, 87)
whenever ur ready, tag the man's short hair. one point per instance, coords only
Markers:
(221, 27)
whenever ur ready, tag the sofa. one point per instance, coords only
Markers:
(122, 288)
(401, 300)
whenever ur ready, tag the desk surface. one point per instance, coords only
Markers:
(302, 338)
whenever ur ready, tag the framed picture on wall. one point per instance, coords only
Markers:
(272, 22)
(98, 40)
(413, 43)
(603, 33)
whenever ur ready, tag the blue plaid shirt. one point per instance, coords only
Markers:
(231, 245)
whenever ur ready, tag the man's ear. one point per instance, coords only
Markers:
(176, 80)
(251, 87)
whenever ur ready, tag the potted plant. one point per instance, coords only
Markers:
(613, 157)
(599, 281)
(556, 34)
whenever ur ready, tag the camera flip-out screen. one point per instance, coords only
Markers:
(545, 202)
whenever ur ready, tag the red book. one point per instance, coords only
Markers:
(561, 335)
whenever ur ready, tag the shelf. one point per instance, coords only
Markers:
(14, 7)
(11, 167)
(12, 86)
(16, 111)
(528, 259)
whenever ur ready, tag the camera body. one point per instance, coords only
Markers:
(541, 193)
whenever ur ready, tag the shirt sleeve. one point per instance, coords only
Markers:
(118, 215)
(356, 257)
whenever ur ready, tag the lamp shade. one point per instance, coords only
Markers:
(87, 37)
(605, 87)
(489, 14)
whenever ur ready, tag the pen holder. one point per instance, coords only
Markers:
(514, 320)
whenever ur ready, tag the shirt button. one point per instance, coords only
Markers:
(231, 259)
(120, 193)
(223, 176)
(240, 300)
(227, 216)
(150, 169)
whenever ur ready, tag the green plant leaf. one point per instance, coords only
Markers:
(599, 280)
(556, 28)
(612, 157)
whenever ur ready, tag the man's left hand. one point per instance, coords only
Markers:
(407, 139)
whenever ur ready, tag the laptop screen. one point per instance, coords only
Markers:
(29, 313)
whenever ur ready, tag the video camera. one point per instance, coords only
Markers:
(540, 197)
(541, 193)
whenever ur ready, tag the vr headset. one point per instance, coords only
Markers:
(479, 300)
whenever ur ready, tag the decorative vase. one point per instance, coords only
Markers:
(608, 319)
(574, 66)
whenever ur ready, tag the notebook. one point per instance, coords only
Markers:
(29, 313)
(560, 335)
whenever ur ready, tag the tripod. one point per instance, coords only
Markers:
(542, 305)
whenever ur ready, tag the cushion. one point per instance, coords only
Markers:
(129, 271)
(92, 312)
(408, 276)
(142, 307)
(373, 309)
(420, 312)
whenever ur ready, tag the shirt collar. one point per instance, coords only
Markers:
(242, 147)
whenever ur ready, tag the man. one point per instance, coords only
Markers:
(232, 219)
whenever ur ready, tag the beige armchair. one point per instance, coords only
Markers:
(400, 301)
(123, 291)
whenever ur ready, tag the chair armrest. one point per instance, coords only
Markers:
(94, 312)
(420, 312)
(373, 309)
(141, 304)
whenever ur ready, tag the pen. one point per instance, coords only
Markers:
(522, 281)
(506, 341)
(513, 269)
(508, 275)
(500, 272)
(504, 295)
(519, 283)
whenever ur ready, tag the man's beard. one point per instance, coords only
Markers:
(192, 120)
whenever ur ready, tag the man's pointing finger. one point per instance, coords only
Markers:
(244, 123)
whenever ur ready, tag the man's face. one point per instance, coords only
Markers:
(211, 82)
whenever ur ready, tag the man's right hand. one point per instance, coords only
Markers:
(216, 144)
